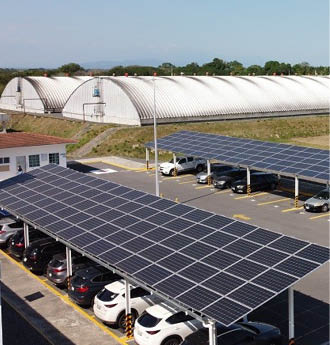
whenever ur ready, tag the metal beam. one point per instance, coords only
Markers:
(26, 235)
(291, 314)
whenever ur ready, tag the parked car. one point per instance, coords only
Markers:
(109, 303)
(57, 270)
(17, 245)
(227, 178)
(258, 181)
(37, 255)
(164, 325)
(8, 227)
(4, 213)
(242, 333)
(182, 164)
(86, 283)
(319, 202)
(216, 170)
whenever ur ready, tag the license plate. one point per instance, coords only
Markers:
(25, 259)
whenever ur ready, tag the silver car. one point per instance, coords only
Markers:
(319, 202)
(8, 227)
(216, 170)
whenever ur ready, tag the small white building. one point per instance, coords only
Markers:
(29, 151)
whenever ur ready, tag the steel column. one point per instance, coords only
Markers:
(147, 158)
(175, 168)
(128, 323)
(68, 261)
(212, 333)
(248, 181)
(26, 235)
(208, 164)
(155, 140)
(296, 191)
(291, 315)
(0, 306)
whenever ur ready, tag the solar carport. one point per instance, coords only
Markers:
(211, 266)
(287, 160)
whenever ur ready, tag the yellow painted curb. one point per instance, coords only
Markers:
(65, 298)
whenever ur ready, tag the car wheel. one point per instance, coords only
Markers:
(325, 208)
(199, 168)
(172, 341)
(172, 172)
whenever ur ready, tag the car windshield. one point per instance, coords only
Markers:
(147, 320)
(323, 195)
(106, 295)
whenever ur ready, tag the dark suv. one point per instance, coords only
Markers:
(17, 245)
(37, 255)
(86, 283)
(227, 178)
(258, 181)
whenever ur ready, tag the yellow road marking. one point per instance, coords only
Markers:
(176, 177)
(274, 201)
(241, 216)
(251, 196)
(114, 164)
(293, 209)
(66, 299)
(320, 216)
(224, 191)
(206, 186)
(190, 181)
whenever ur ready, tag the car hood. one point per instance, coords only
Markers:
(166, 165)
(315, 202)
(202, 175)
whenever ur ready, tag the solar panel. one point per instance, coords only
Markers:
(288, 160)
(201, 260)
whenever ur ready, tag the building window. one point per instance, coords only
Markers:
(54, 158)
(4, 160)
(34, 161)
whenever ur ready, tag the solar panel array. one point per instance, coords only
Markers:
(220, 267)
(288, 160)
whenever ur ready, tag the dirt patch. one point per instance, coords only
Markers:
(322, 141)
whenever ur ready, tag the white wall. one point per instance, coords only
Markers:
(12, 153)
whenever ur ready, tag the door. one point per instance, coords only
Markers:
(182, 164)
(21, 161)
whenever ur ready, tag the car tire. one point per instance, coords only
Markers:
(121, 320)
(172, 172)
(325, 208)
(175, 340)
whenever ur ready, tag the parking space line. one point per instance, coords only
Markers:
(321, 216)
(273, 201)
(177, 177)
(224, 191)
(251, 196)
(65, 298)
(293, 209)
(190, 181)
(205, 186)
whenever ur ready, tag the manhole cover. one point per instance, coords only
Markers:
(34, 296)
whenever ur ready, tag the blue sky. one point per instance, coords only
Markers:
(50, 33)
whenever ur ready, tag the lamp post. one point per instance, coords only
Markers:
(155, 137)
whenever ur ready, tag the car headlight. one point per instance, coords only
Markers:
(240, 186)
(221, 182)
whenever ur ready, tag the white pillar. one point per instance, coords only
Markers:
(174, 162)
(155, 140)
(208, 164)
(212, 333)
(291, 312)
(147, 157)
(0, 307)
(296, 191)
(248, 180)
(68, 261)
(127, 297)
(26, 235)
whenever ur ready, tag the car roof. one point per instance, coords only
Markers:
(161, 310)
(117, 286)
(91, 271)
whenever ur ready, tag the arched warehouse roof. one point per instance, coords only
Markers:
(129, 100)
(39, 94)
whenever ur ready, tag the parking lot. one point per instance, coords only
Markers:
(271, 210)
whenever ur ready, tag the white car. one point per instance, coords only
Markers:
(109, 303)
(164, 325)
(182, 164)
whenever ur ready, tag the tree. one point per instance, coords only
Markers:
(70, 68)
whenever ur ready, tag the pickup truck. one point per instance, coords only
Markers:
(182, 164)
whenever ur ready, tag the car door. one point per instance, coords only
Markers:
(182, 164)
(190, 163)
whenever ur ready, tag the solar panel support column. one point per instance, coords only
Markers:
(248, 181)
(68, 261)
(291, 315)
(26, 235)
(128, 319)
(0, 309)
(296, 191)
(155, 140)
(208, 172)
(147, 158)
(212, 333)
(175, 172)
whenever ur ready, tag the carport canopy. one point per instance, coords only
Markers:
(287, 160)
(207, 264)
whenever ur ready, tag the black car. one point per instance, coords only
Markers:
(38, 254)
(227, 178)
(258, 181)
(17, 245)
(242, 333)
(86, 283)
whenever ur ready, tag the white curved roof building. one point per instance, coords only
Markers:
(130, 100)
(39, 94)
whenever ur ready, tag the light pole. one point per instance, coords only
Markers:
(155, 137)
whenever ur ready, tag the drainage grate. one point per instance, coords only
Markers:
(34, 296)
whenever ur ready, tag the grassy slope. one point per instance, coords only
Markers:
(129, 142)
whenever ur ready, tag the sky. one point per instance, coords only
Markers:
(51, 33)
